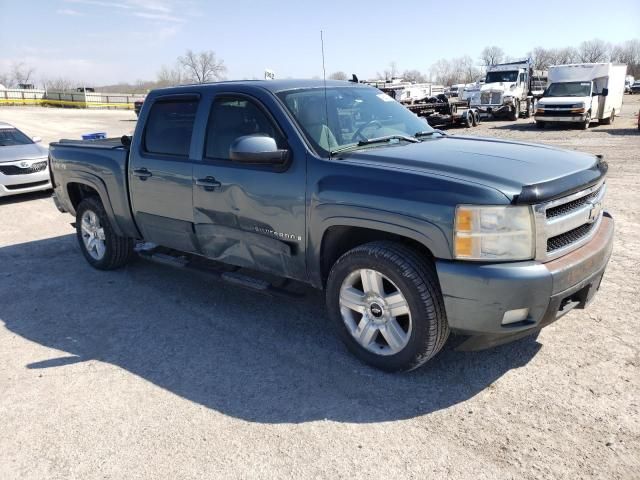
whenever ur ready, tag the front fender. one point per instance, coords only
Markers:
(326, 216)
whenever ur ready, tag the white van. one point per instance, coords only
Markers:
(582, 93)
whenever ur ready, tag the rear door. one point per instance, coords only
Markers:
(161, 172)
(249, 215)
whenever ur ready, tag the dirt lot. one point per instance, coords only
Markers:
(150, 372)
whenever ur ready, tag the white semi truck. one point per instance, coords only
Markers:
(506, 91)
(582, 93)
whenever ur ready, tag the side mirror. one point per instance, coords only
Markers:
(36, 139)
(605, 92)
(257, 149)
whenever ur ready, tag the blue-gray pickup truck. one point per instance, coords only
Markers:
(412, 233)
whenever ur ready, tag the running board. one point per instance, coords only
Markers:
(216, 270)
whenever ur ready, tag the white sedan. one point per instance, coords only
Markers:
(23, 163)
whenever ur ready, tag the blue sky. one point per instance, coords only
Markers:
(103, 41)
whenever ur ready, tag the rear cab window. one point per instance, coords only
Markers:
(169, 127)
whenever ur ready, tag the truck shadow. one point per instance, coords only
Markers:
(246, 355)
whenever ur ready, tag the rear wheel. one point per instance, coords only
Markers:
(609, 120)
(385, 301)
(102, 248)
(529, 111)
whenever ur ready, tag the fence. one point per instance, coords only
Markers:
(15, 96)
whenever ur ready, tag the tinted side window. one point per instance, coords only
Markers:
(233, 117)
(169, 127)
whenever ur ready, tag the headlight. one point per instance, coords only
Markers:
(493, 233)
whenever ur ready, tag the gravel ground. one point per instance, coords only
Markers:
(151, 372)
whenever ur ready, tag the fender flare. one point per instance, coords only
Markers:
(429, 235)
(99, 186)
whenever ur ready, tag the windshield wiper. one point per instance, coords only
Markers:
(429, 133)
(387, 138)
(373, 141)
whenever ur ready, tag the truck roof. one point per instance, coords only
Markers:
(270, 85)
(579, 72)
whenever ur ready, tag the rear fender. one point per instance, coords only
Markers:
(98, 185)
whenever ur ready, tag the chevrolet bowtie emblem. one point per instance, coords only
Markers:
(594, 212)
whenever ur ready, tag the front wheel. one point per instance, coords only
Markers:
(587, 121)
(515, 112)
(102, 248)
(385, 301)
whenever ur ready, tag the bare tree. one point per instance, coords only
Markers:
(5, 79)
(629, 54)
(389, 73)
(202, 67)
(21, 73)
(466, 70)
(339, 75)
(491, 55)
(593, 51)
(60, 84)
(170, 76)
(415, 76)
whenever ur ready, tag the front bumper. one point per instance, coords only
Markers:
(476, 296)
(32, 182)
(560, 118)
(493, 109)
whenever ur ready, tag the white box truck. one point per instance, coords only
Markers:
(582, 93)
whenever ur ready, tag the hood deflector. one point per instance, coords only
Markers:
(561, 187)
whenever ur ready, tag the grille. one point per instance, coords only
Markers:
(16, 170)
(571, 206)
(567, 238)
(557, 106)
(490, 98)
(26, 185)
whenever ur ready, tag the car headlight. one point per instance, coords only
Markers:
(493, 233)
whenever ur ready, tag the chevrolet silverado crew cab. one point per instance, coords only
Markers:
(412, 233)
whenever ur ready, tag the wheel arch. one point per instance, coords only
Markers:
(343, 234)
(81, 186)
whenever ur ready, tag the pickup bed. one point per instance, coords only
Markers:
(412, 233)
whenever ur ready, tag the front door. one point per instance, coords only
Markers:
(249, 215)
(161, 173)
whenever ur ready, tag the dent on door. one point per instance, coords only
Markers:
(226, 235)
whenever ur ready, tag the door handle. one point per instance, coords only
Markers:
(142, 173)
(208, 183)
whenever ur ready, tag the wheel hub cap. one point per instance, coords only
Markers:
(375, 312)
(93, 235)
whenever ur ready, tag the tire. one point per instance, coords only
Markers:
(476, 120)
(468, 120)
(540, 125)
(529, 111)
(610, 119)
(515, 113)
(108, 251)
(400, 270)
(585, 125)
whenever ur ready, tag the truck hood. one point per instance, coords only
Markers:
(496, 87)
(30, 151)
(503, 165)
(563, 100)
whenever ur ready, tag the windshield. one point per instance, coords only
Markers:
(569, 89)
(13, 136)
(356, 115)
(495, 77)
